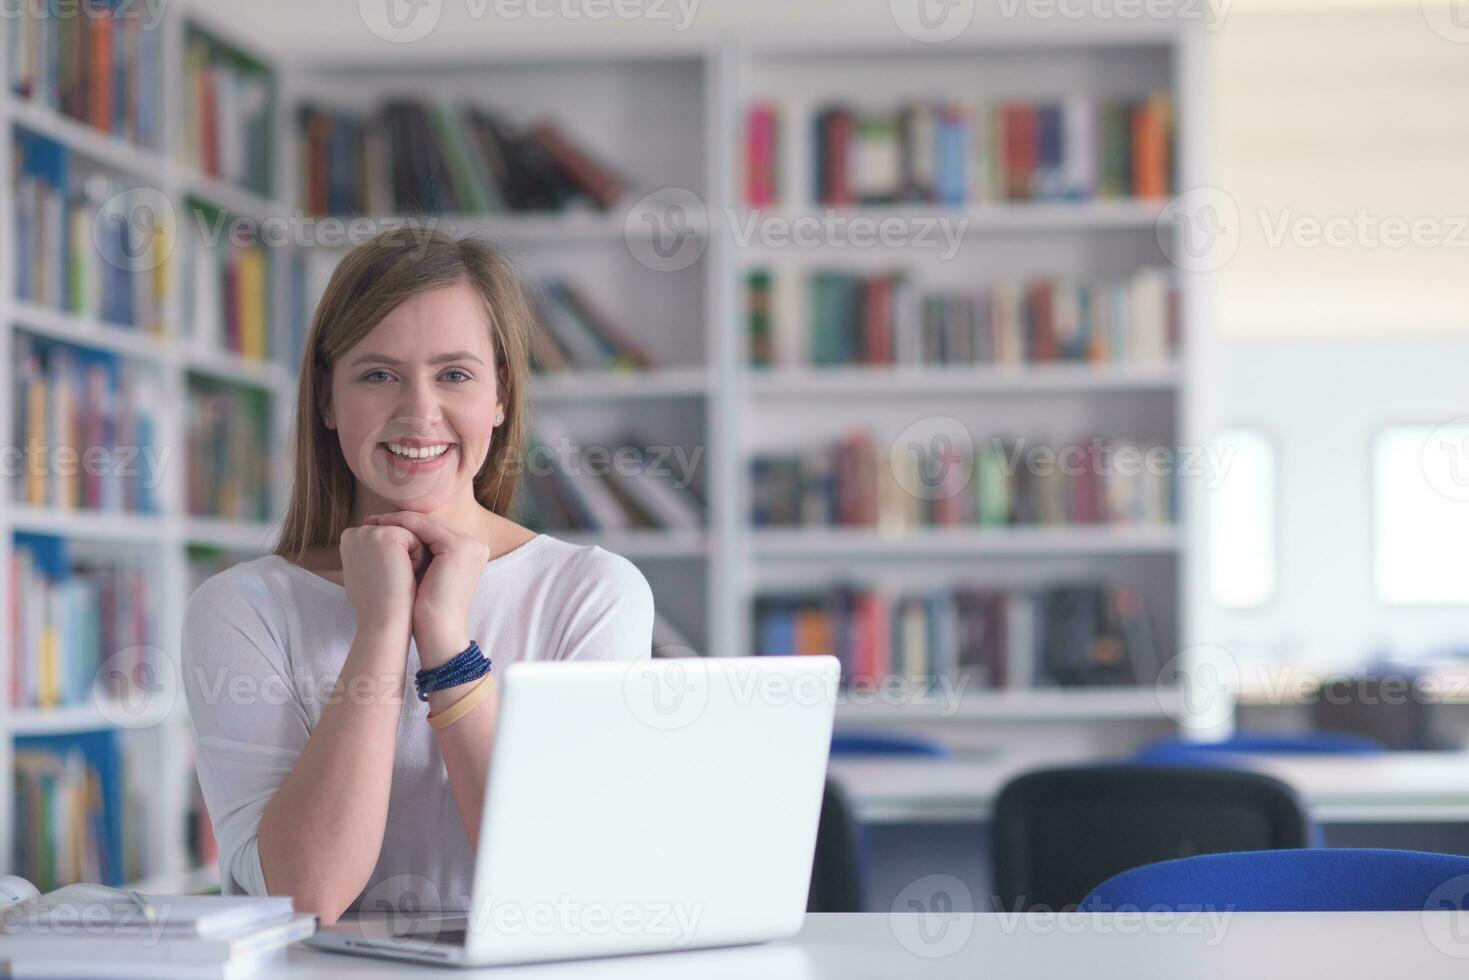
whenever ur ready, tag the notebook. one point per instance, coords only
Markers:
(111, 932)
(121, 912)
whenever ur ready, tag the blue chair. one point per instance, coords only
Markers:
(854, 743)
(1176, 752)
(1303, 880)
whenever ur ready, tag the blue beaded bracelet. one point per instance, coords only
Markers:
(466, 666)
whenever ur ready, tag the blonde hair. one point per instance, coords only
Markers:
(368, 284)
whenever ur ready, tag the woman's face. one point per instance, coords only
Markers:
(414, 403)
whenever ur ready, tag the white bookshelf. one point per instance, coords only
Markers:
(947, 382)
(689, 102)
(963, 542)
(782, 408)
(159, 736)
(1012, 707)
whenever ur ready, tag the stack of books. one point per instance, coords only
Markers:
(89, 425)
(81, 246)
(568, 486)
(1080, 148)
(69, 618)
(1000, 483)
(412, 156)
(1066, 635)
(228, 112)
(825, 318)
(229, 451)
(103, 69)
(122, 934)
(226, 285)
(575, 335)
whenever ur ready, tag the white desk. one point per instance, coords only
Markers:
(1399, 787)
(1342, 946)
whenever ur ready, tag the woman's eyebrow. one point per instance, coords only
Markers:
(372, 358)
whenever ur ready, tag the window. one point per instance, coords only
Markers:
(1420, 477)
(1242, 520)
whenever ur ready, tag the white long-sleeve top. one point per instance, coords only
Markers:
(265, 640)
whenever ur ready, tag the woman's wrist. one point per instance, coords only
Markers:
(451, 704)
(438, 647)
(469, 665)
(389, 622)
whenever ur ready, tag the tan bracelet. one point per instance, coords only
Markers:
(464, 705)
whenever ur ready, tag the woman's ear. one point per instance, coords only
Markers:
(503, 371)
(328, 417)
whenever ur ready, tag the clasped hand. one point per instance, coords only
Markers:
(431, 572)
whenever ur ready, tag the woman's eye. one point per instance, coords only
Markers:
(373, 375)
(456, 375)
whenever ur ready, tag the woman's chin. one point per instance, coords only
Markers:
(423, 500)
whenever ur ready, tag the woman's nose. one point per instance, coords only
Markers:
(420, 400)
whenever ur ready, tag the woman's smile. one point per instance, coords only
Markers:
(411, 457)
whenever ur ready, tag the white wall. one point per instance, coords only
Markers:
(1332, 115)
(1321, 404)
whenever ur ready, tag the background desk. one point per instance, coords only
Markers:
(1423, 946)
(1414, 800)
(1399, 787)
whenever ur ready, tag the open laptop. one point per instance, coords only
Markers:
(636, 807)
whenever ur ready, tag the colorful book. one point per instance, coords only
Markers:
(103, 70)
(1077, 149)
(880, 318)
(445, 159)
(228, 124)
(941, 642)
(996, 483)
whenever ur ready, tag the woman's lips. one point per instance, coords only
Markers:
(411, 467)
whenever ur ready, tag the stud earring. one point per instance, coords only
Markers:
(499, 417)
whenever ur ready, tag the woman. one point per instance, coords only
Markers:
(326, 776)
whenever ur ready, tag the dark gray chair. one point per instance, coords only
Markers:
(1056, 834)
(838, 870)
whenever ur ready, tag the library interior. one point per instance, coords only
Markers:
(1081, 375)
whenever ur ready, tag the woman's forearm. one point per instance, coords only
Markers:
(465, 745)
(322, 831)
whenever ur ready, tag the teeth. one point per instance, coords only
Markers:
(411, 452)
